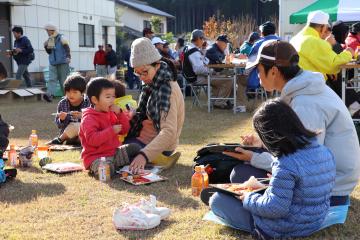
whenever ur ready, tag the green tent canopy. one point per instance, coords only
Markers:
(345, 10)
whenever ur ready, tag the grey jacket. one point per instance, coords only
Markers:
(319, 108)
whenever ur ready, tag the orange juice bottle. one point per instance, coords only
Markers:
(33, 139)
(104, 170)
(197, 182)
(12, 156)
(205, 176)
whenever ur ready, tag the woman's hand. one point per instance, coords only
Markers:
(242, 197)
(240, 154)
(252, 140)
(138, 164)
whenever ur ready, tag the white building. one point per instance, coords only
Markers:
(286, 8)
(85, 23)
(135, 15)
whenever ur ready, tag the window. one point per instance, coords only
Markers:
(86, 35)
(105, 35)
(147, 24)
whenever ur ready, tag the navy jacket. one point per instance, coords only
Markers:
(23, 58)
(111, 58)
(215, 55)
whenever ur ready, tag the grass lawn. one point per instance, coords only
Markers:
(41, 205)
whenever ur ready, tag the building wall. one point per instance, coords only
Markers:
(135, 19)
(66, 15)
(286, 8)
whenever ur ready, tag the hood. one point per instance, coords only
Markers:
(305, 83)
(92, 111)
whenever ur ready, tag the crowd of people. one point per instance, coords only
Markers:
(311, 148)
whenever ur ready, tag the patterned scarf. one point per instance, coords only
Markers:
(154, 99)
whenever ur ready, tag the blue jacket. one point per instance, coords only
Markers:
(298, 198)
(253, 79)
(58, 55)
(23, 58)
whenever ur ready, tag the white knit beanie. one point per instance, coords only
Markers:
(143, 53)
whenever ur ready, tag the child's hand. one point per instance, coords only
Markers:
(115, 108)
(76, 114)
(117, 128)
(62, 115)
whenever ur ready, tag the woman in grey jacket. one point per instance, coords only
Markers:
(318, 107)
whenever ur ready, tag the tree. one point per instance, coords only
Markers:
(155, 24)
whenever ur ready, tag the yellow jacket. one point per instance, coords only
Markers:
(316, 54)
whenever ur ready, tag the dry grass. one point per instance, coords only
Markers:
(41, 205)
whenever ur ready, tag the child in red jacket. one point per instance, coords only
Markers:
(100, 128)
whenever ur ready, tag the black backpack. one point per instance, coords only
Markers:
(187, 69)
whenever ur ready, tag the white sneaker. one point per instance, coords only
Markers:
(149, 206)
(133, 218)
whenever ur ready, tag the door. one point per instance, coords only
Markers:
(5, 40)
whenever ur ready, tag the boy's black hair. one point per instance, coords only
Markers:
(75, 82)
(18, 29)
(280, 129)
(96, 85)
(119, 88)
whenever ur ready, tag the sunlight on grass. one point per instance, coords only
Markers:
(42, 205)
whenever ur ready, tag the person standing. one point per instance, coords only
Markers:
(23, 54)
(353, 39)
(148, 33)
(59, 58)
(100, 62)
(111, 61)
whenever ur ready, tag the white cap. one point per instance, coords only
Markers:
(50, 26)
(156, 40)
(318, 17)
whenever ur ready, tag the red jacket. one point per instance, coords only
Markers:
(97, 135)
(99, 58)
(352, 41)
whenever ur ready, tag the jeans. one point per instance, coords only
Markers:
(23, 71)
(232, 211)
(101, 70)
(57, 74)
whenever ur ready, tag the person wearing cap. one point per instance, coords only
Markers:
(58, 49)
(315, 53)
(160, 114)
(318, 107)
(100, 62)
(353, 39)
(148, 33)
(246, 47)
(267, 32)
(196, 72)
(158, 43)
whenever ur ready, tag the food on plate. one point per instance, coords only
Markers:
(253, 183)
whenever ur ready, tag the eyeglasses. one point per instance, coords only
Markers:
(143, 73)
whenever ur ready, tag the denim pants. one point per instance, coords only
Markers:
(232, 211)
(23, 71)
(101, 70)
(57, 74)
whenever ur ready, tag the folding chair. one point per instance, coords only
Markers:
(196, 92)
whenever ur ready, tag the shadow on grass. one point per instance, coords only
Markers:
(167, 191)
(16, 191)
(148, 234)
(31, 170)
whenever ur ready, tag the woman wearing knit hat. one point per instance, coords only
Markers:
(160, 116)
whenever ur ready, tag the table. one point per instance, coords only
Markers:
(344, 80)
(211, 76)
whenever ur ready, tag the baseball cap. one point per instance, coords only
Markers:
(275, 52)
(318, 17)
(222, 38)
(156, 40)
(197, 33)
(147, 31)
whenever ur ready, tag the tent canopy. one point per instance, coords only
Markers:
(345, 10)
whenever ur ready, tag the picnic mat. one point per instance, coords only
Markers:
(63, 167)
(55, 148)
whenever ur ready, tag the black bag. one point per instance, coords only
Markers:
(187, 69)
(219, 166)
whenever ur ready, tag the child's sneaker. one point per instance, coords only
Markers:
(149, 206)
(133, 218)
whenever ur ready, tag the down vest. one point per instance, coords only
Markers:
(297, 201)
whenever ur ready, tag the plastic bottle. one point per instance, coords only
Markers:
(12, 156)
(104, 170)
(197, 182)
(33, 139)
(205, 176)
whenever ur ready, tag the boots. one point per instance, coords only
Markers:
(166, 161)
